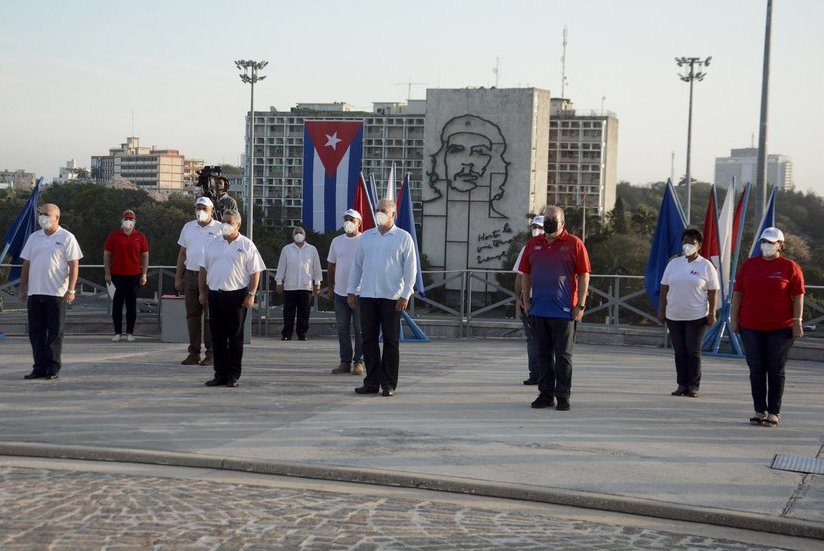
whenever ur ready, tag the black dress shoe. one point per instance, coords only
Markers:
(563, 404)
(37, 375)
(366, 390)
(301, 337)
(286, 338)
(232, 383)
(543, 401)
(388, 392)
(531, 381)
(216, 382)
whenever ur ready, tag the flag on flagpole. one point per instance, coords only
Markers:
(666, 242)
(373, 190)
(332, 152)
(712, 244)
(363, 205)
(737, 231)
(24, 225)
(725, 233)
(767, 221)
(390, 184)
(406, 221)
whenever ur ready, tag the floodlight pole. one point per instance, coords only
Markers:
(691, 77)
(250, 76)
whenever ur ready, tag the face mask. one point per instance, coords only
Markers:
(227, 229)
(202, 216)
(44, 221)
(349, 226)
(299, 238)
(689, 249)
(381, 218)
(127, 224)
(769, 249)
(536, 232)
(551, 226)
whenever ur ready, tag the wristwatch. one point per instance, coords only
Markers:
(251, 293)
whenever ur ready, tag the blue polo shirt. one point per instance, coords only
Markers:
(553, 266)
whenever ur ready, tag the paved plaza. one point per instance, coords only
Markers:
(460, 422)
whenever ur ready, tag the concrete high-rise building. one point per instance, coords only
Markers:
(742, 164)
(583, 155)
(392, 132)
(147, 167)
(576, 152)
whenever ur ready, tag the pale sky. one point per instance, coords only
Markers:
(72, 72)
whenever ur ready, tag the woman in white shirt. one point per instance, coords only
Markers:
(689, 292)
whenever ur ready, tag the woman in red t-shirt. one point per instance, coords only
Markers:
(767, 302)
(125, 262)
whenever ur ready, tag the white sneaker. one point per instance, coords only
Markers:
(129, 338)
(117, 338)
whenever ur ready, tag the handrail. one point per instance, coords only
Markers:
(463, 296)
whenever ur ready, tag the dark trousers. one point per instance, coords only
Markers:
(46, 316)
(296, 302)
(766, 356)
(378, 315)
(555, 338)
(125, 292)
(531, 348)
(197, 316)
(227, 317)
(686, 342)
(346, 320)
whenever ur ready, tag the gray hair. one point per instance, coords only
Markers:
(554, 208)
(234, 214)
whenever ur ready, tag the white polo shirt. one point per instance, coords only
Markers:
(342, 253)
(229, 266)
(194, 237)
(298, 267)
(688, 285)
(49, 257)
(385, 265)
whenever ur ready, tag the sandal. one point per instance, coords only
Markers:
(758, 419)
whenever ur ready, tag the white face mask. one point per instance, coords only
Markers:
(227, 229)
(381, 218)
(44, 221)
(349, 226)
(537, 231)
(299, 238)
(769, 249)
(689, 249)
(202, 215)
(127, 224)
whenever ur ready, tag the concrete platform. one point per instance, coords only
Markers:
(461, 420)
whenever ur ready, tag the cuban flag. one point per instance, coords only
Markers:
(332, 152)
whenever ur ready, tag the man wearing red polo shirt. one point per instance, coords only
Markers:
(555, 269)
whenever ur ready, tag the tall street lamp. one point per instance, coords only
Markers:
(250, 76)
(691, 76)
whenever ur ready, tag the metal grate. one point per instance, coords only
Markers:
(798, 463)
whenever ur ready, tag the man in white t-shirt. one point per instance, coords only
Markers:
(51, 263)
(341, 255)
(536, 227)
(193, 238)
(229, 276)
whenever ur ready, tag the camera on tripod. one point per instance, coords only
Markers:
(209, 179)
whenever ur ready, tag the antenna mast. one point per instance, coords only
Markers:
(563, 65)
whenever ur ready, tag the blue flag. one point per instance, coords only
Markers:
(406, 221)
(767, 221)
(24, 225)
(665, 244)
